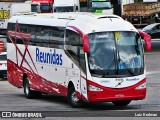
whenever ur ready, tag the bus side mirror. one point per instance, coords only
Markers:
(85, 42)
(147, 40)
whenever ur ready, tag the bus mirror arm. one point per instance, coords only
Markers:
(147, 40)
(85, 42)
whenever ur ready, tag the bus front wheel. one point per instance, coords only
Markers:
(28, 92)
(121, 103)
(72, 98)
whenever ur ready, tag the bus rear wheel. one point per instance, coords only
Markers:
(28, 92)
(121, 103)
(72, 98)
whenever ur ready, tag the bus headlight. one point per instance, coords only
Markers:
(142, 86)
(93, 88)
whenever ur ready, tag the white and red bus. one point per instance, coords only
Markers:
(54, 54)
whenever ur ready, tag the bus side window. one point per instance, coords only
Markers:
(49, 38)
(56, 38)
(46, 36)
(26, 30)
(39, 36)
(75, 48)
(72, 44)
(23, 28)
(31, 30)
(15, 38)
(10, 28)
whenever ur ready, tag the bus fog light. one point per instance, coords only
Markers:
(142, 86)
(93, 88)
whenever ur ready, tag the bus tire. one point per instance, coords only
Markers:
(28, 92)
(121, 103)
(72, 99)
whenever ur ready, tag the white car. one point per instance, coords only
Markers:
(3, 64)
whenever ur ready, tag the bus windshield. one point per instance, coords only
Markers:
(115, 54)
(34, 7)
(101, 5)
(46, 8)
(64, 9)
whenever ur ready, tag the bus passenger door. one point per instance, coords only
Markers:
(72, 40)
(83, 75)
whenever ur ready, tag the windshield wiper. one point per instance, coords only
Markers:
(117, 61)
(126, 66)
(112, 63)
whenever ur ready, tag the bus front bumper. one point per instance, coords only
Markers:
(117, 94)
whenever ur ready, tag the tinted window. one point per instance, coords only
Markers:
(75, 48)
(3, 57)
(10, 27)
(46, 8)
(54, 37)
(44, 36)
(72, 44)
(63, 9)
(34, 8)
